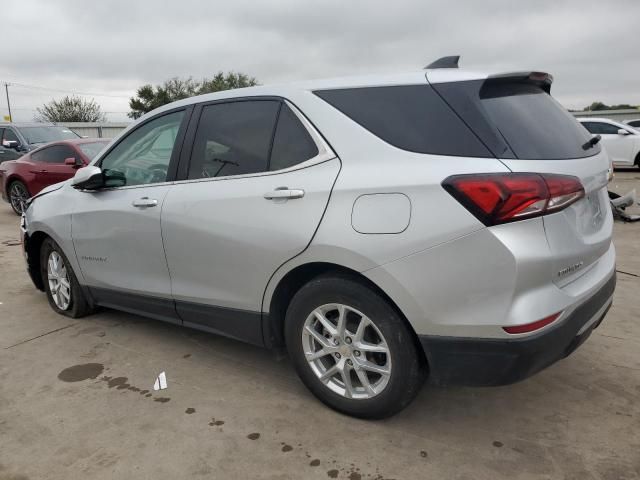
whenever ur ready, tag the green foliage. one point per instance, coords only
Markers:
(149, 97)
(70, 109)
(596, 106)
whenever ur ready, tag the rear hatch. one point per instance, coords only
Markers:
(516, 118)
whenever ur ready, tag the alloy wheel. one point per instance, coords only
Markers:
(346, 351)
(59, 284)
(18, 196)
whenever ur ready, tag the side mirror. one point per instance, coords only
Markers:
(11, 144)
(623, 132)
(88, 178)
(74, 162)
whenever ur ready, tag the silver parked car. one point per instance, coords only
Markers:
(384, 229)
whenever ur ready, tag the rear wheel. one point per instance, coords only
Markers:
(61, 285)
(352, 349)
(18, 196)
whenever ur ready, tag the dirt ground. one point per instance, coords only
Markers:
(76, 401)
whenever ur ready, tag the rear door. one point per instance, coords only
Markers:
(530, 132)
(257, 181)
(48, 166)
(619, 147)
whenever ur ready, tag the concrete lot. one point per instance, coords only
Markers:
(235, 411)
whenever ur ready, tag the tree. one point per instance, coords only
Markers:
(149, 97)
(597, 106)
(70, 109)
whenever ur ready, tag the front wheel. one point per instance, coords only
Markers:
(18, 196)
(61, 285)
(352, 349)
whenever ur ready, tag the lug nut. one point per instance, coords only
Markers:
(347, 340)
(337, 355)
(356, 353)
(349, 362)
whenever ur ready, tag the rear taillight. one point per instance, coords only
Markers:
(496, 198)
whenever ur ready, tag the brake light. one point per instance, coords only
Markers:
(496, 198)
(532, 327)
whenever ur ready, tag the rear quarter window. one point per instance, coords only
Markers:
(410, 117)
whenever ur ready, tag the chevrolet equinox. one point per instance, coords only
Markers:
(441, 224)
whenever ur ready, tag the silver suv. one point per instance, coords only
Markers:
(439, 224)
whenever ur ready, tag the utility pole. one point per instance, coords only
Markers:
(6, 91)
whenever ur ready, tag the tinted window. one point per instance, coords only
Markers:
(143, 156)
(635, 123)
(10, 136)
(46, 134)
(233, 139)
(411, 117)
(292, 143)
(92, 149)
(601, 128)
(517, 119)
(53, 154)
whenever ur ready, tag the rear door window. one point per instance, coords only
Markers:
(53, 154)
(410, 117)
(233, 138)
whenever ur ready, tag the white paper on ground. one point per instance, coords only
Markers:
(161, 382)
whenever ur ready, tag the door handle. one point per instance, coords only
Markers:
(39, 171)
(284, 192)
(145, 202)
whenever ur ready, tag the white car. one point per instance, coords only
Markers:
(622, 142)
(635, 123)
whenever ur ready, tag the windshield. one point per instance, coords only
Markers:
(91, 149)
(46, 134)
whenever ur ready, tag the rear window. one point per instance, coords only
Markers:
(410, 117)
(518, 120)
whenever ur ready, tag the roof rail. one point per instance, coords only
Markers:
(445, 62)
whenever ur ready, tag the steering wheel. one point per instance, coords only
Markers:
(157, 173)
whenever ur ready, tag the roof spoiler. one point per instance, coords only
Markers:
(444, 62)
(541, 79)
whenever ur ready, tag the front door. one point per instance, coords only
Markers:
(116, 231)
(246, 208)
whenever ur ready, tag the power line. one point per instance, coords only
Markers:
(36, 87)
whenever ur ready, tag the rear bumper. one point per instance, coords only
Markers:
(485, 362)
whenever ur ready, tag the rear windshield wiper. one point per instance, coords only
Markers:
(591, 142)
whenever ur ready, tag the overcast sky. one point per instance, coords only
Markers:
(112, 47)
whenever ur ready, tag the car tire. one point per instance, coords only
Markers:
(17, 188)
(343, 296)
(64, 293)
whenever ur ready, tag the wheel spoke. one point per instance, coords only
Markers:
(346, 378)
(317, 336)
(342, 320)
(316, 355)
(364, 380)
(371, 347)
(329, 327)
(65, 293)
(372, 367)
(326, 376)
(364, 322)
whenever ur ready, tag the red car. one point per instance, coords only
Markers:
(55, 162)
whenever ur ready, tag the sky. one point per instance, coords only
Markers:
(105, 50)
